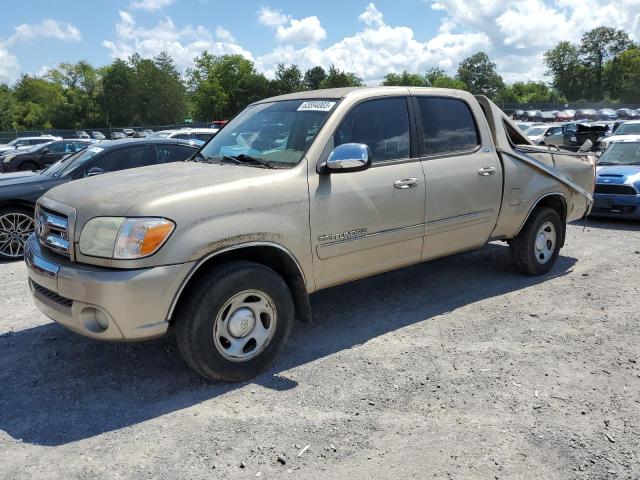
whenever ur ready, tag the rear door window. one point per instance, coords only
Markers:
(173, 153)
(448, 126)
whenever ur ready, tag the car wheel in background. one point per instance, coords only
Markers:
(535, 249)
(27, 167)
(235, 321)
(16, 224)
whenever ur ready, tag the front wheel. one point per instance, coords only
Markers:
(16, 224)
(535, 249)
(235, 322)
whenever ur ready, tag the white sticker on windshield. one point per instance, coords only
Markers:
(316, 106)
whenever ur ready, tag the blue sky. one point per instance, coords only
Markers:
(368, 38)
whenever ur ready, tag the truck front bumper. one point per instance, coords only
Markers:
(617, 206)
(103, 303)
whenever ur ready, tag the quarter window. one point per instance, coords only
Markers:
(447, 125)
(381, 124)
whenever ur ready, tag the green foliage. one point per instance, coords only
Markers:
(405, 79)
(221, 86)
(289, 79)
(314, 77)
(591, 70)
(435, 77)
(624, 73)
(8, 108)
(528, 92)
(479, 75)
(337, 78)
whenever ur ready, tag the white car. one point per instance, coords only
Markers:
(538, 134)
(24, 143)
(619, 138)
(203, 134)
(629, 128)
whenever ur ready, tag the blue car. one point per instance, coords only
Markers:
(617, 192)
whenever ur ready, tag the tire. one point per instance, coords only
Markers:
(27, 167)
(225, 300)
(535, 249)
(16, 224)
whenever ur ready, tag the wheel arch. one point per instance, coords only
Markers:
(17, 203)
(555, 200)
(268, 254)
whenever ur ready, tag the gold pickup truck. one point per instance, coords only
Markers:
(295, 194)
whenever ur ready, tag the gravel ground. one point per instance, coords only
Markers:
(459, 368)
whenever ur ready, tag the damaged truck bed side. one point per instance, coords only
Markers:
(297, 193)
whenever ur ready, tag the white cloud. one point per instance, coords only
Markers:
(224, 35)
(183, 44)
(45, 29)
(380, 49)
(520, 31)
(272, 18)
(9, 66)
(150, 5)
(371, 16)
(304, 31)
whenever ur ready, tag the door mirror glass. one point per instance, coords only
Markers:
(349, 157)
(46, 151)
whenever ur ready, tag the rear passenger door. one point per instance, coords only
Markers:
(553, 136)
(462, 173)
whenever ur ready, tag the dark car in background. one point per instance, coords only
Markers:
(606, 114)
(533, 116)
(628, 114)
(549, 116)
(586, 114)
(19, 191)
(41, 156)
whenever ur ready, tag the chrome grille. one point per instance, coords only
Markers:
(52, 229)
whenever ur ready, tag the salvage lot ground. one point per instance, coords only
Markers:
(459, 368)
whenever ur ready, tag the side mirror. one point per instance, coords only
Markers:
(93, 171)
(349, 157)
(46, 151)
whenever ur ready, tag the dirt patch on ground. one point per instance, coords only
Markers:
(458, 368)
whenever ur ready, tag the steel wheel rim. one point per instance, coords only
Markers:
(15, 228)
(245, 325)
(545, 243)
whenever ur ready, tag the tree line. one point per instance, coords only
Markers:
(605, 65)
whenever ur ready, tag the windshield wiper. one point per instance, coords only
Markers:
(205, 159)
(242, 158)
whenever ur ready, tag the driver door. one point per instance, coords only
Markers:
(369, 221)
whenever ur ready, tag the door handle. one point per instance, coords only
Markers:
(485, 171)
(406, 183)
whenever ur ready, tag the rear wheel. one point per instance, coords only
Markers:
(535, 249)
(16, 224)
(27, 167)
(235, 322)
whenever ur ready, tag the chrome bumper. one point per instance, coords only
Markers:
(103, 303)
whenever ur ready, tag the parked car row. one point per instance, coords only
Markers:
(20, 190)
(581, 114)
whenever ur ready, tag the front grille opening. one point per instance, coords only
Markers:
(52, 229)
(615, 189)
(51, 295)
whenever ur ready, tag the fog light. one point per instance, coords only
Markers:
(95, 320)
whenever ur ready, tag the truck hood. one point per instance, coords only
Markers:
(136, 190)
(618, 174)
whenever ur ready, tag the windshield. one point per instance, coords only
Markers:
(621, 153)
(69, 165)
(277, 133)
(628, 129)
(535, 131)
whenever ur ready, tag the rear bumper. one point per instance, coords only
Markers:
(134, 303)
(618, 206)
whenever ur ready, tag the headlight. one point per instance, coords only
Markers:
(123, 238)
(7, 158)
